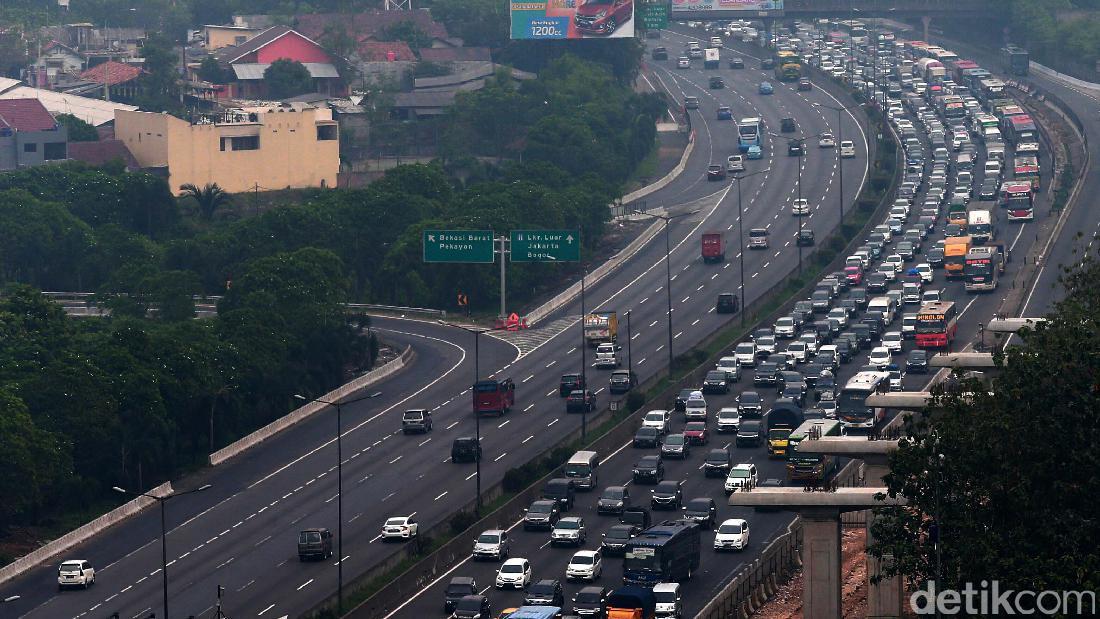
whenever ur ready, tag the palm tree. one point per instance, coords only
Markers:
(209, 198)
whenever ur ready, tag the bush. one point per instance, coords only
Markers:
(836, 244)
(461, 521)
(824, 256)
(866, 205)
(880, 181)
(635, 400)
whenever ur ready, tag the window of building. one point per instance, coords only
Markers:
(54, 151)
(326, 132)
(247, 142)
(30, 148)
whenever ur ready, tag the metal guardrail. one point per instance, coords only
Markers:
(84, 304)
(396, 309)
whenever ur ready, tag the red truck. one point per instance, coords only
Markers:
(494, 396)
(712, 247)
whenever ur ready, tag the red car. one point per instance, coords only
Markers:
(603, 16)
(854, 275)
(696, 432)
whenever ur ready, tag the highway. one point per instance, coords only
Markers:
(241, 534)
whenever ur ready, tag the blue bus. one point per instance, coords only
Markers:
(748, 133)
(667, 552)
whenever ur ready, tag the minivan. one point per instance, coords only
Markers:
(314, 544)
(560, 489)
(883, 305)
(465, 449)
(581, 468)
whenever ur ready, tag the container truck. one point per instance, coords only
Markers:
(601, 327)
(712, 247)
(711, 59)
(1015, 59)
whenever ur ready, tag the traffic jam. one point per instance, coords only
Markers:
(609, 532)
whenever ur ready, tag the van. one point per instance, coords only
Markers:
(314, 544)
(560, 489)
(992, 169)
(465, 449)
(964, 162)
(884, 306)
(581, 468)
(691, 103)
(758, 238)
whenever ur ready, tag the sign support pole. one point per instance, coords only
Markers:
(503, 250)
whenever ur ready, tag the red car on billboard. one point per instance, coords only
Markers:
(603, 17)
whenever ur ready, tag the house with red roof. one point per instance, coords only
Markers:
(247, 62)
(122, 81)
(29, 135)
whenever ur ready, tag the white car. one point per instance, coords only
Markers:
(568, 530)
(735, 163)
(732, 534)
(910, 293)
(730, 366)
(492, 544)
(931, 295)
(683, 62)
(696, 406)
(729, 419)
(585, 565)
(847, 149)
(880, 357)
(800, 206)
(840, 315)
(741, 476)
(745, 352)
(796, 352)
(656, 419)
(895, 261)
(826, 141)
(75, 573)
(784, 327)
(399, 527)
(891, 340)
(514, 574)
(716, 42)
(888, 271)
(926, 272)
(810, 340)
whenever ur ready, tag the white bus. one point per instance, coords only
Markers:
(852, 409)
(979, 225)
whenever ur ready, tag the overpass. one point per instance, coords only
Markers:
(850, 9)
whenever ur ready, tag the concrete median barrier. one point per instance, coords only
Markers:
(248, 442)
(81, 534)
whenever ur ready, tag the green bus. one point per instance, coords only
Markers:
(788, 66)
(811, 467)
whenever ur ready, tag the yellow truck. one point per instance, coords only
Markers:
(954, 255)
(601, 327)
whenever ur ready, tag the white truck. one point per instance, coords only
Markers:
(607, 356)
(711, 58)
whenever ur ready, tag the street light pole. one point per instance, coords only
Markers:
(741, 236)
(629, 358)
(477, 417)
(584, 363)
(668, 272)
(840, 140)
(339, 488)
(163, 533)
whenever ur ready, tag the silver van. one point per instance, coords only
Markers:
(581, 469)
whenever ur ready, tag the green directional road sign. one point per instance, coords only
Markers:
(546, 245)
(655, 15)
(458, 246)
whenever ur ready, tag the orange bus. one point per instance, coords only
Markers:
(954, 255)
(937, 322)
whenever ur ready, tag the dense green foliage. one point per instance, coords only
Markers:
(79, 131)
(287, 78)
(1071, 44)
(1009, 472)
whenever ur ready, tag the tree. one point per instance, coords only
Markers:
(410, 33)
(209, 197)
(478, 22)
(160, 85)
(287, 78)
(1003, 472)
(32, 462)
(211, 71)
(79, 131)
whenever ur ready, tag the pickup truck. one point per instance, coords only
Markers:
(607, 356)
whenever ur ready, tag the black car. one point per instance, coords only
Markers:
(934, 257)
(660, 53)
(617, 537)
(794, 148)
(675, 446)
(750, 433)
(614, 500)
(647, 437)
(812, 370)
(542, 514)
(844, 351)
(728, 303)
(458, 588)
(737, 63)
(767, 64)
(681, 400)
(546, 592)
(787, 125)
(465, 449)
(860, 296)
(622, 381)
(917, 362)
(717, 462)
(650, 470)
(750, 405)
(702, 510)
(667, 495)
(715, 173)
(570, 383)
(473, 607)
(591, 601)
(764, 375)
(716, 381)
(876, 282)
(717, 82)
(580, 401)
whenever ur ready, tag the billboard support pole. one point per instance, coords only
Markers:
(503, 250)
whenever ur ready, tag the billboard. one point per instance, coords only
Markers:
(682, 6)
(572, 19)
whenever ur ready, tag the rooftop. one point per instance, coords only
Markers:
(111, 73)
(26, 115)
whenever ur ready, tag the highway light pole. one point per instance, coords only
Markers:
(840, 139)
(584, 363)
(629, 358)
(161, 500)
(741, 237)
(801, 153)
(668, 273)
(339, 489)
(477, 331)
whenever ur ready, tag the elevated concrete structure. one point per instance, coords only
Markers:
(852, 9)
(900, 399)
(821, 560)
(962, 360)
(1011, 325)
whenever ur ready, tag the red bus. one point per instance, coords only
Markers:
(1018, 199)
(937, 322)
(1026, 170)
(494, 396)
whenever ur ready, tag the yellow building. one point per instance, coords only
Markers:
(277, 146)
(217, 37)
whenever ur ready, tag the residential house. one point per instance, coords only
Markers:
(287, 145)
(249, 60)
(371, 25)
(431, 96)
(217, 37)
(122, 81)
(56, 59)
(29, 135)
(95, 112)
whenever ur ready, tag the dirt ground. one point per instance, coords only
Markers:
(787, 603)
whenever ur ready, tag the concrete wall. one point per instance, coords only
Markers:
(290, 153)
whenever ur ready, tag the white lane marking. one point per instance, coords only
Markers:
(497, 459)
(442, 495)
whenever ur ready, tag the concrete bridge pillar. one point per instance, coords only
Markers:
(821, 564)
(885, 598)
(925, 21)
